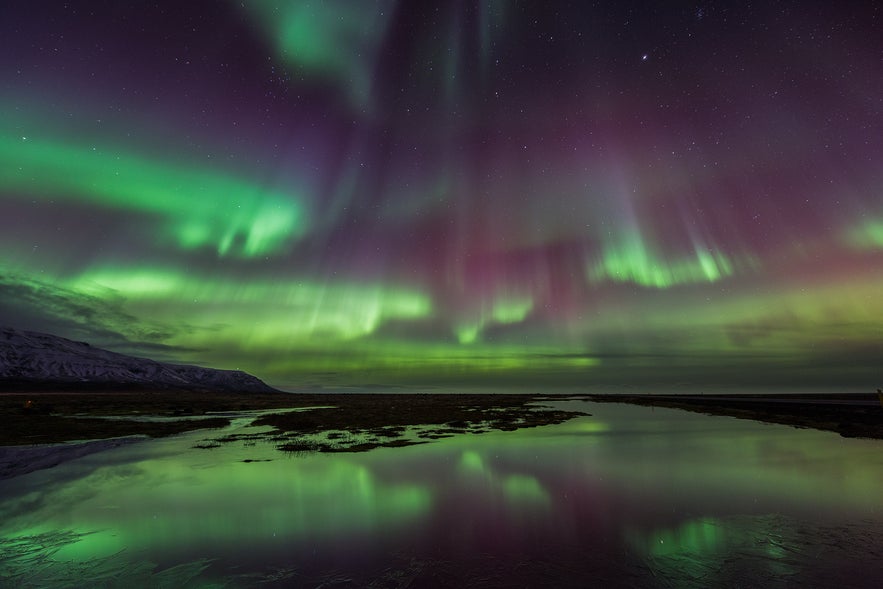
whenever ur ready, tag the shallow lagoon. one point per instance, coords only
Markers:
(631, 496)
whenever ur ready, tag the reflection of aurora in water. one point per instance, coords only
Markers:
(769, 551)
(651, 497)
(292, 505)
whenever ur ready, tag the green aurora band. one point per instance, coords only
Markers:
(200, 207)
(334, 40)
(389, 194)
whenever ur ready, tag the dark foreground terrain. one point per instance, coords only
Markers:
(850, 415)
(357, 422)
(349, 422)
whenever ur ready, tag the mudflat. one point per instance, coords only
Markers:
(348, 422)
(355, 422)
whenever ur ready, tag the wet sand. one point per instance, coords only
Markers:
(19, 460)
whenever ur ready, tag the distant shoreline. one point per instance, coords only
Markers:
(55, 416)
(852, 415)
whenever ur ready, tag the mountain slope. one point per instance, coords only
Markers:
(30, 357)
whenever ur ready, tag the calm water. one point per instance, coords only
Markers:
(631, 496)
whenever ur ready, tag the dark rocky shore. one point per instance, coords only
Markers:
(850, 415)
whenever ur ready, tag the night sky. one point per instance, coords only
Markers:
(602, 196)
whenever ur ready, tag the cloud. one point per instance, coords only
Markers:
(37, 305)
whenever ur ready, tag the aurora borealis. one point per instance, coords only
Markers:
(601, 196)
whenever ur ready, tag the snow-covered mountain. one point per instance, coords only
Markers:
(27, 356)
